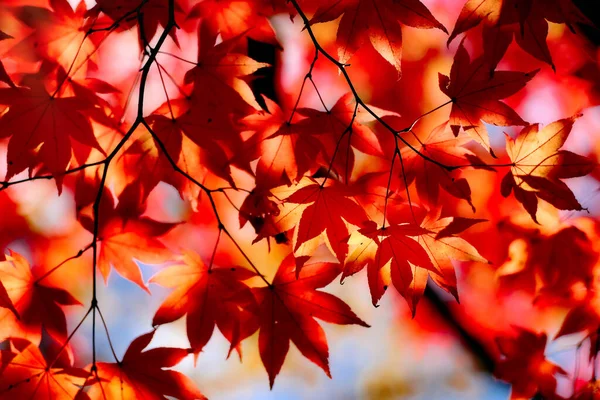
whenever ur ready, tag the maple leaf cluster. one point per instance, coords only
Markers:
(251, 201)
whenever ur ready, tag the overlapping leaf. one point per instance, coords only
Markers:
(218, 75)
(394, 246)
(26, 373)
(284, 151)
(441, 146)
(475, 96)
(539, 167)
(288, 149)
(525, 366)
(213, 137)
(525, 20)
(342, 130)
(443, 245)
(37, 305)
(377, 21)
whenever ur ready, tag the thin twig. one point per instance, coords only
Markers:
(344, 72)
(139, 120)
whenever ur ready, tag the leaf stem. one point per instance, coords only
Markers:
(79, 254)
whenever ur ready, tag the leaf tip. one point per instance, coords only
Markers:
(533, 73)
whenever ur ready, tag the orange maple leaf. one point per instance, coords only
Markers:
(392, 245)
(415, 251)
(123, 234)
(232, 18)
(429, 178)
(443, 245)
(59, 36)
(142, 375)
(284, 151)
(37, 306)
(27, 373)
(539, 165)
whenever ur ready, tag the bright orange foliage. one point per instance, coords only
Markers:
(348, 139)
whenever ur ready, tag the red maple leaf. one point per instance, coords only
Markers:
(394, 246)
(288, 308)
(372, 193)
(378, 21)
(418, 245)
(524, 365)
(443, 245)
(525, 20)
(41, 128)
(220, 75)
(475, 96)
(213, 137)
(329, 210)
(209, 296)
(128, 13)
